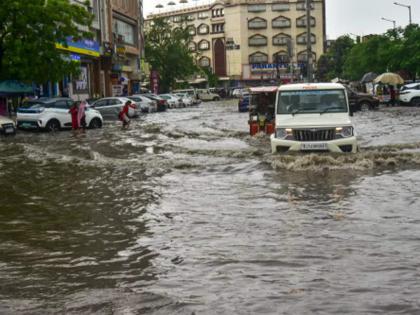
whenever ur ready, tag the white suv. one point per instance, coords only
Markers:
(52, 114)
(410, 94)
(313, 118)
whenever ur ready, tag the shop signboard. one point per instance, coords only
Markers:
(154, 81)
(84, 47)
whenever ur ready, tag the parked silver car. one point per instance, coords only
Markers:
(110, 107)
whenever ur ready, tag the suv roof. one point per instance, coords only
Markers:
(311, 86)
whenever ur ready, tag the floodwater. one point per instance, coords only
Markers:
(186, 214)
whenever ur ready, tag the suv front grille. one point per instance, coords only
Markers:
(306, 135)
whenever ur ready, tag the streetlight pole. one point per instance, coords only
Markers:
(392, 21)
(308, 41)
(409, 10)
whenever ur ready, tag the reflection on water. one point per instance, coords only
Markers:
(186, 213)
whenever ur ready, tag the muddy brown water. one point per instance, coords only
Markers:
(186, 214)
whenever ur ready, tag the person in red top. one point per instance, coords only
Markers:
(123, 115)
(74, 121)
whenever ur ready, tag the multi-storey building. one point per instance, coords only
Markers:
(110, 61)
(252, 40)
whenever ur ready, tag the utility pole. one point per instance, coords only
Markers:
(308, 41)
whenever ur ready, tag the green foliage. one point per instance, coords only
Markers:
(212, 79)
(29, 31)
(395, 51)
(167, 52)
(330, 65)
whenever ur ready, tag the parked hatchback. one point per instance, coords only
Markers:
(52, 114)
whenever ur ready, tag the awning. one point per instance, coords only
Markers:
(15, 88)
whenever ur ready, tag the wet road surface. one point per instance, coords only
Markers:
(186, 214)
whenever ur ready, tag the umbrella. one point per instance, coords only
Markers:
(389, 78)
(368, 77)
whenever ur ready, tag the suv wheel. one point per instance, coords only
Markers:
(365, 106)
(95, 123)
(415, 101)
(53, 125)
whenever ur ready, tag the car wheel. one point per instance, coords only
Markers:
(53, 125)
(415, 102)
(365, 107)
(215, 99)
(95, 123)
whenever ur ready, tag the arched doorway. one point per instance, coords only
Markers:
(219, 58)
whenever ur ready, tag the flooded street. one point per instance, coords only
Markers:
(184, 213)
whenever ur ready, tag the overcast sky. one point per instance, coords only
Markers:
(360, 17)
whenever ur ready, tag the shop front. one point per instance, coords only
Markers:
(87, 84)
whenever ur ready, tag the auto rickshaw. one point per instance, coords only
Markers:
(261, 110)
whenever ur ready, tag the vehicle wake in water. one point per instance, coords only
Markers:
(184, 212)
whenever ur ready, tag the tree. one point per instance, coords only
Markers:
(406, 53)
(330, 65)
(167, 52)
(29, 31)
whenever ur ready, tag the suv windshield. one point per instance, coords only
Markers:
(312, 102)
(33, 104)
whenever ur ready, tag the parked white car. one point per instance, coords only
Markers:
(110, 107)
(146, 105)
(7, 126)
(206, 95)
(52, 114)
(186, 99)
(313, 118)
(410, 94)
(173, 101)
(238, 93)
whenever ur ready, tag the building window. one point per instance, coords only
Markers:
(204, 45)
(217, 13)
(218, 28)
(256, 8)
(301, 22)
(281, 39)
(303, 57)
(301, 5)
(177, 19)
(257, 23)
(203, 15)
(190, 18)
(281, 22)
(280, 7)
(258, 57)
(204, 62)
(203, 29)
(192, 46)
(125, 32)
(281, 57)
(301, 39)
(191, 30)
(257, 40)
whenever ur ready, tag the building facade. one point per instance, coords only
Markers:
(246, 41)
(110, 61)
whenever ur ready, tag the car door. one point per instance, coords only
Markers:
(116, 106)
(101, 107)
(61, 112)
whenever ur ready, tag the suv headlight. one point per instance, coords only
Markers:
(344, 132)
(284, 133)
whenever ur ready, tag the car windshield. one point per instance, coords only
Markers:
(166, 97)
(33, 104)
(312, 101)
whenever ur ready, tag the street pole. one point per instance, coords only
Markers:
(392, 21)
(409, 10)
(308, 42)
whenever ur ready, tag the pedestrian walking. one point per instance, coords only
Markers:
(81, 115)
(123, 115)
(73, 111)
(392, 95)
